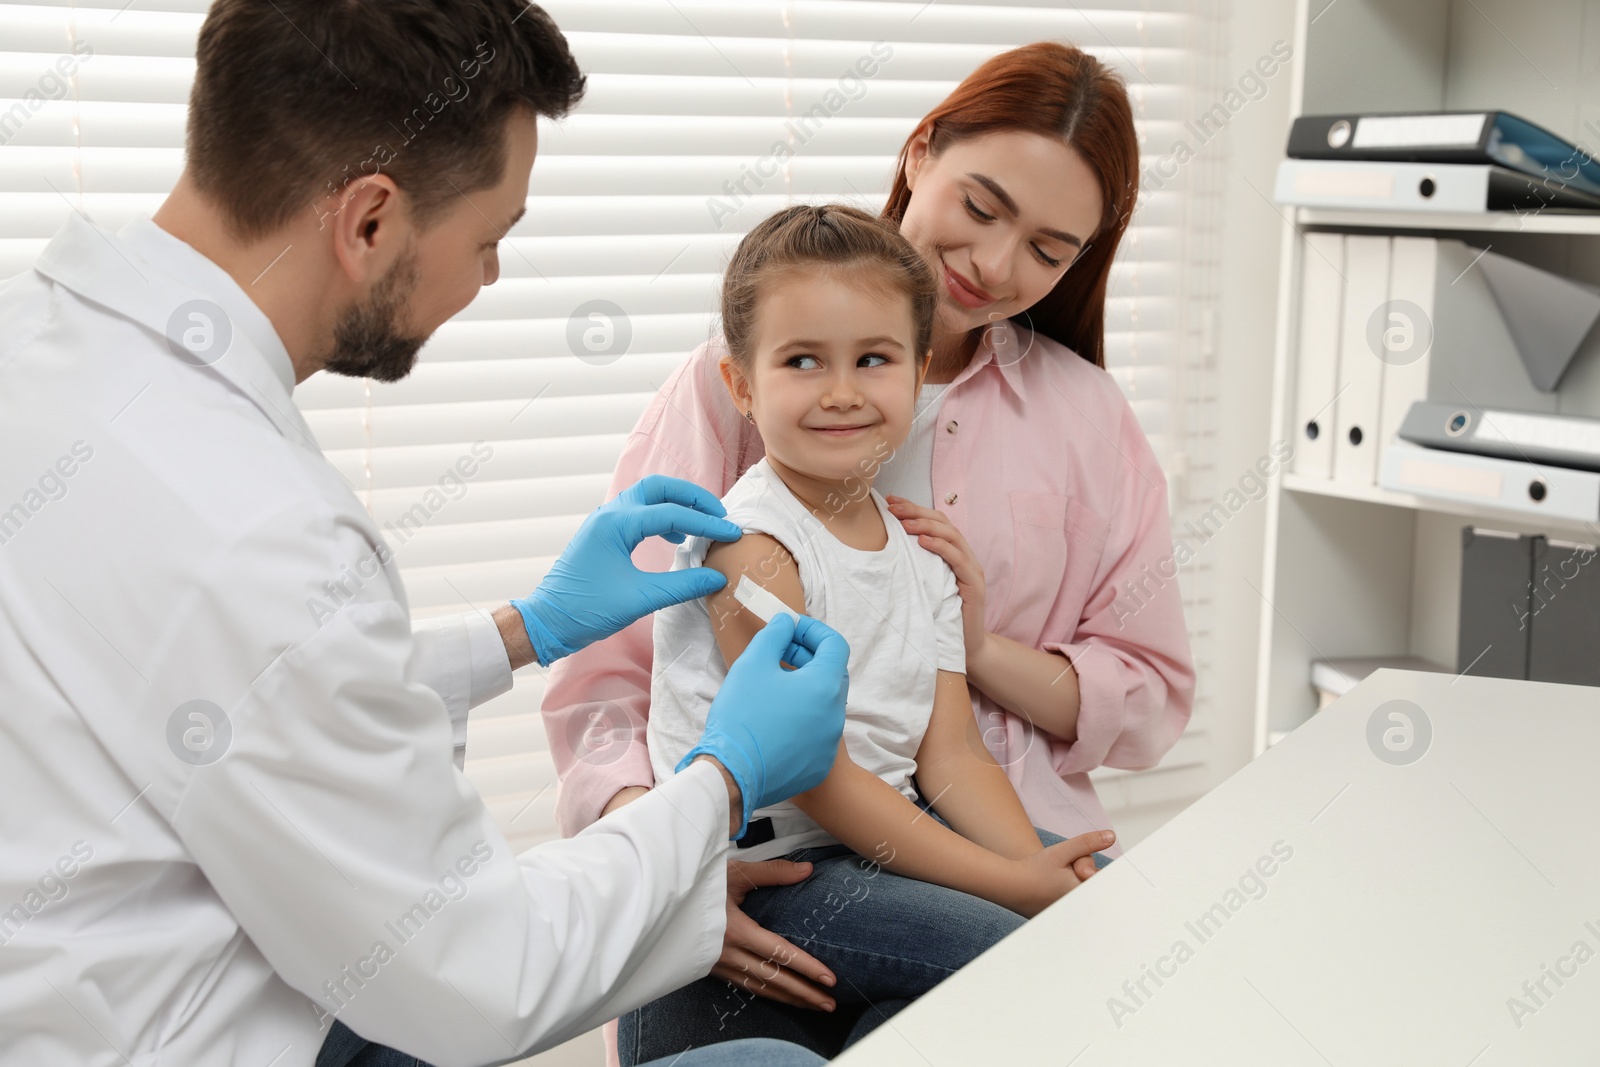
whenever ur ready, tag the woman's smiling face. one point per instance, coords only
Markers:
(999, 217)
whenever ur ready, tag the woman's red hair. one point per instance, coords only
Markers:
(1057, 91)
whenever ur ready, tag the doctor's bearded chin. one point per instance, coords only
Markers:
(369, 340)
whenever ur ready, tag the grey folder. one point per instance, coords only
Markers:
(1529, 436)
(1496, 577)
(1565, 614)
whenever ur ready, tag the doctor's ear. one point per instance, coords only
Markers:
(368, 226)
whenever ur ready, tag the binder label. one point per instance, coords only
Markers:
(1334, 181)
(1544, 431)
(1420, 474)
(1418, 131)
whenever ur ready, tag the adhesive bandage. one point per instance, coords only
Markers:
(764, 604)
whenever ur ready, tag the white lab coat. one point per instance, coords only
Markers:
(164, 528)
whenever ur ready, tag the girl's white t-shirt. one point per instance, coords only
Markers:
(909, 472)
(897, 607)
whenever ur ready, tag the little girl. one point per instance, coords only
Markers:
(828, 317)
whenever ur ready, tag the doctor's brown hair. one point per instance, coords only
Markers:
(295, 99)
(1064, 93)
(825, 238)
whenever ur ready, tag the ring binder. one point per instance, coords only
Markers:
(1496, 138)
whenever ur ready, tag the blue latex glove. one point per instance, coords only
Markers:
(594, 589)
(777, 731)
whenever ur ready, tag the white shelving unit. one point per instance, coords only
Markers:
(1357, 570)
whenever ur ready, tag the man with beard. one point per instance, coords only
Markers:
(236, 831)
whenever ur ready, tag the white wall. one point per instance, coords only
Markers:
(1253, 141)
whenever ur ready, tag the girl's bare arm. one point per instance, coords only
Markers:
(858, 807)
(960, 778)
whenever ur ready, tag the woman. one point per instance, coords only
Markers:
(1050, 501)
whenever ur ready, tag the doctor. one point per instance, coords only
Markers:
(235, 828)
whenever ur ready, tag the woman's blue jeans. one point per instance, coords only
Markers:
(887, 940)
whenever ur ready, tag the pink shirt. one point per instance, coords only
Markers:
(1040, 463)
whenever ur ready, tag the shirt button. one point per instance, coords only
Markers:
(950, 427)
(950, 498)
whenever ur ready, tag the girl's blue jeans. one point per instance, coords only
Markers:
(886, 939)
(343, 1048)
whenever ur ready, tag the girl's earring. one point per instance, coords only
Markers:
(751, 416)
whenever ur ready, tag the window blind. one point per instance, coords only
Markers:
(702, 117)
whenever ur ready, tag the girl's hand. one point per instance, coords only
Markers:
(938, 534)
(1052, 873)
(759, 961)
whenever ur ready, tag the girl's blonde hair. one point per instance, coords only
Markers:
(831, 237)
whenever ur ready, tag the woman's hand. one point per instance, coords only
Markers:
(1053, 872)
(761, 962)
(938, 534)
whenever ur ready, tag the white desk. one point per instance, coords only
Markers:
(1406, 906)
